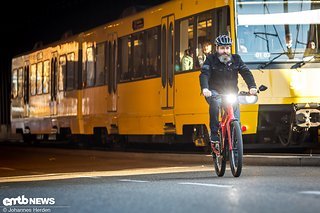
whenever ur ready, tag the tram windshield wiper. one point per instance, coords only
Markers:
(304, 61)
(264, 65)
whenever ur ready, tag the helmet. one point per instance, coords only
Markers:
(223, 40)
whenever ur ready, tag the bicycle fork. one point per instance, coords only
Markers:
(229, 120)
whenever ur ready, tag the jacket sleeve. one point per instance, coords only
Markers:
(205, 75)
(246, 74)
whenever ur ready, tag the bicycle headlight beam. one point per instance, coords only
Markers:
(231, 98)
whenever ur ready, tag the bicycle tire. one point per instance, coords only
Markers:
(220, 162)
(236, 154)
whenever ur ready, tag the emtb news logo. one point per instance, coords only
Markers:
(22, 200)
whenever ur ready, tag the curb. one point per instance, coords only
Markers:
(260, 159)
(282, 160)
(248, 159)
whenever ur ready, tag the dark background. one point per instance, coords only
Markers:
(24, 23)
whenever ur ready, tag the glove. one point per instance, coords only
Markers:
(206, 92)
(253, 91)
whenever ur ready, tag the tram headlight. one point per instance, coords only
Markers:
(247, 99)
(251, 99)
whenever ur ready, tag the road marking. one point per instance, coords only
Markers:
(134, 181)
(6, 168)
(206, 184)
(310, 192)
(87, 176)
(125, 172)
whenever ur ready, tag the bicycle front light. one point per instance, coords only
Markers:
(231, 98)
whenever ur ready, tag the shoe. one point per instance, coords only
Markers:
(215, 147)
(214, 138)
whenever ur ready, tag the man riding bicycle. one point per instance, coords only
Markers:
(219, 75)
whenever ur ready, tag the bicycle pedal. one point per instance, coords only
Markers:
(214, 150)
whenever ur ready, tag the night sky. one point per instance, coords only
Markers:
(33, 21)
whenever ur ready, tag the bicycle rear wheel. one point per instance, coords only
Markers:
(219, 160)
(236, 154)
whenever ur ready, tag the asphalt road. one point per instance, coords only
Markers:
(58, 180)
(259, 189)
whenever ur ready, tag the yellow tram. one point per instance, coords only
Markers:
(124, 79)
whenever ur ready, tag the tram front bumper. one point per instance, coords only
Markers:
(308, 115)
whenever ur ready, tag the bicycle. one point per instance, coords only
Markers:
(230, 134)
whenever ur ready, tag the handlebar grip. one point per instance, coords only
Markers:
(243, 93)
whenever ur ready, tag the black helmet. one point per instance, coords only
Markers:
(223, 40)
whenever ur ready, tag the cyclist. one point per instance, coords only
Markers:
(219, 75)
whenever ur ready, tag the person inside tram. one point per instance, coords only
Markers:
(244, 36)
(288, 40)
(242, 47)
(206, 50)
(311, 49)
(187, 60)
(149, 66)
(219, 75)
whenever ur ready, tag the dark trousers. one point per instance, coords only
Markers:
(214, 107)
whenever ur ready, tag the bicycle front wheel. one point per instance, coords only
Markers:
(236, 153)
(219, 158)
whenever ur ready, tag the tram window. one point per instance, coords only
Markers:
(70, 71)
(39, 77)
(204, 28)
(186, 45)
(20, 82)
(14, 85)
(138, 55)
(204, 34)
(125, 53)
(62, 72)
(46, 77)
(153, 52)
(90, 67)
(33, 79)
(100, 56)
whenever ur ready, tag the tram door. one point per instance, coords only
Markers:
(112, 61)
(167, 62)
(26, 90)
(54, 84)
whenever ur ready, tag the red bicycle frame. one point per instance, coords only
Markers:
(227, 118)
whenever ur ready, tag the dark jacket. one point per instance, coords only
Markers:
(223, 78)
